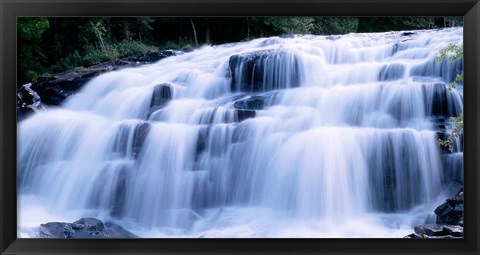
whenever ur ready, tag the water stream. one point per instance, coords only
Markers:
(302, 136)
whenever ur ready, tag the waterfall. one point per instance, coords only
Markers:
(305, 136)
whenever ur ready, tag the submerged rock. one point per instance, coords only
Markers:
(83, 228)
(125, 138)
(264, 71)
(245, 114)
(250, 103)
(161, 95)
(393, 71)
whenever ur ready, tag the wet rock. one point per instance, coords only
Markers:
(90, 224)
(245, 114)
(83, 228)
(439, 104)
(138, 136)
(162, 94)
(450, 212)
(264, 71)
(449, 222)
(250, 103)
(28, 102)
(201, 141)
(445, 69)
(391, 72)
(439, 230)
(53, 89)
(408, 33)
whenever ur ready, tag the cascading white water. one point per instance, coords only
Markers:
(307, 136)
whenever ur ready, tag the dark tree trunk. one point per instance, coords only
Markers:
(194, 32)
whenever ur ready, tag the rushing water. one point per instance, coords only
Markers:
(305, 136)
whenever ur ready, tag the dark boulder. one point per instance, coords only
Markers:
(408, 33)
(28, 102)
(161, 95)
(439, 230)
(83, 228)
(264, 71)
(90, 224)
(55, 88)
(451, 212)
(449, 222)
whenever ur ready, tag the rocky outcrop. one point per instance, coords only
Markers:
(53, 89)
(437, 231)
(449, 221)
(451, 212)
(83, 228)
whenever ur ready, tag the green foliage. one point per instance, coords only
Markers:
(290, 25)
(335, 25)
(380, 24)
(170, 45)
(71, 61)
(413, 22)
(132, 48)
(96, 30)
(452, 21)
(452, 52)
(31, 28)
(30, 51)
(55, 44)
(98, 56)
(456, 133)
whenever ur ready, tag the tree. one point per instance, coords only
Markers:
(30, 51)
(335, 25)
(290, 25)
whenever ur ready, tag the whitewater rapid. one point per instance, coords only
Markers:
(299, 136)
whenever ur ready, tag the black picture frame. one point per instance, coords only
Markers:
(10, 9)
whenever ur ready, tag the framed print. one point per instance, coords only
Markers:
(321, 127)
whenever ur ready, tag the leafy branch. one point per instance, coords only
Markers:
(453, 52)
(456, 133)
